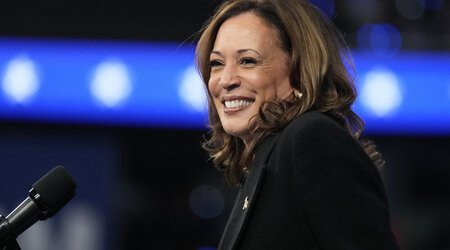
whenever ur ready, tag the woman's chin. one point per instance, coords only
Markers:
(241, 132)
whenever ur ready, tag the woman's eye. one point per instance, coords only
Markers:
(248, 61)
(215, 63)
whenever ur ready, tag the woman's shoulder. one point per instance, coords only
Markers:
(316, 137)
(316, 132)
(313, 125)
(315, 143)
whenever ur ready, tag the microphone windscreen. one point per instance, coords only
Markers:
(56, 188)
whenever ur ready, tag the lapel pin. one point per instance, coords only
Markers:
(245, 203)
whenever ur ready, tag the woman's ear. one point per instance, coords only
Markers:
(298, 94)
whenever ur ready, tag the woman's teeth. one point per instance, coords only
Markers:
(237, 103)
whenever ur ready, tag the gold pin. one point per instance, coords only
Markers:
(245, 203)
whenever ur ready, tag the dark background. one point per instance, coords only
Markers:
(141, 178)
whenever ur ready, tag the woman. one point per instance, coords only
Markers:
(282, 128)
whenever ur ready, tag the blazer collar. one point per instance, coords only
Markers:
(247, 195)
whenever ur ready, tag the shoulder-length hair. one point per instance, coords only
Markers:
(317, 66)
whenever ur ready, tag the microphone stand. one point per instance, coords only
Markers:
(7, 237)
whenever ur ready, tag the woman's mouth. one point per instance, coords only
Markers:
(237, 104)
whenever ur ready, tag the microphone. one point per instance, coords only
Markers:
(47, 196)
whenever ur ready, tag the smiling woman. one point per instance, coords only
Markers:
(247, 69)
(282, 128)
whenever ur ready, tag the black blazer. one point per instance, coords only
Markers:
(310, 187)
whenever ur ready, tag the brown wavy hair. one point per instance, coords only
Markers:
(317, 66)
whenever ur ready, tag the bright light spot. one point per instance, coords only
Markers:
(206, 201)
(381, 92)
(111, 83)
(192, 90)
(20, 81)
(411, 9)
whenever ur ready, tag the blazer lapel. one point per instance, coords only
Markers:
(246, 196)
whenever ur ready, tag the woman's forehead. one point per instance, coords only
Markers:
(245, 31)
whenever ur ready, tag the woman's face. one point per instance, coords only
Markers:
(248, 67)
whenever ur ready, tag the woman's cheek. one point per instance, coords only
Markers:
(213, 87)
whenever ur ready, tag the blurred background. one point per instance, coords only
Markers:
(108, 89)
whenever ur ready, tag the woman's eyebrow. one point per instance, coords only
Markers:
(246, 50)
(240, 51)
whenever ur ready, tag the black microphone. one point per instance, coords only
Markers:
(48, 195)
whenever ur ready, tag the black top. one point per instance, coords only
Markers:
(310, 187)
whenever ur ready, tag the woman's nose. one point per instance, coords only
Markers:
(229, 78)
